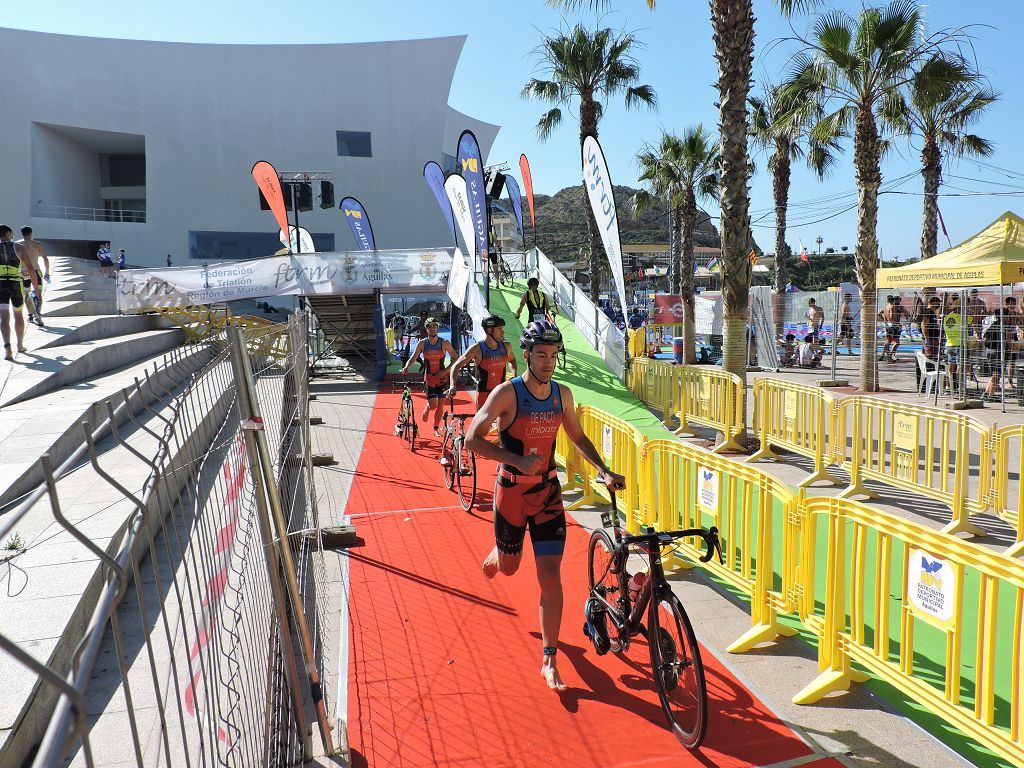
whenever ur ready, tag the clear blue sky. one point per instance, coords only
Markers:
(677, 61)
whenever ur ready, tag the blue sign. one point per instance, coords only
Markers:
(435, 179)
(359, 222)
(517, 204)
(471, 166)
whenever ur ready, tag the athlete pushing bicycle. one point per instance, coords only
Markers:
(434, 350)
(492, 357)
(527, 494)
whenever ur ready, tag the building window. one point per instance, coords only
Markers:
(449, 163)
(354, 144)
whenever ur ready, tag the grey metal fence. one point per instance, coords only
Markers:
(196, 639)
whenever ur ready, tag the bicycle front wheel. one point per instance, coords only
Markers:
(678, 671)
(465, 463)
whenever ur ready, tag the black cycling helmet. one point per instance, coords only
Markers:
(540, 332)
(492, 321)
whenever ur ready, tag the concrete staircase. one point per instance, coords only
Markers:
(83, 362)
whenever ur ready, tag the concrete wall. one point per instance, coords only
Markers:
(208, 112)
(64, 172)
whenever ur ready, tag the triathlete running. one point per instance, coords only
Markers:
(527, 494)
(10, 292)
(435, 375)
(492, 356)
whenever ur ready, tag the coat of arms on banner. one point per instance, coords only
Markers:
(349, 269)
(427, 266)
(932, 584)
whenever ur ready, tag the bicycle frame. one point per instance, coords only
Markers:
(628, 617)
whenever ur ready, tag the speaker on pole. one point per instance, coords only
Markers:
(265, 206)
(326, 194)
(497, 185)
(304, 196)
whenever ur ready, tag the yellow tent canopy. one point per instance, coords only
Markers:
(994, 256)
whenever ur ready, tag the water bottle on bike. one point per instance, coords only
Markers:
(636, 583)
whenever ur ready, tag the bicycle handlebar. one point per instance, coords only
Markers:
(712, 541)
(395, 383)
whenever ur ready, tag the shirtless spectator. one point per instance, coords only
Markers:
(30, 251)
(892, 315)
(815, 318)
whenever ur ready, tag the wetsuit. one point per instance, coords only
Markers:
(493, 363)
(433, 380)
(533, 501)
(10, 276)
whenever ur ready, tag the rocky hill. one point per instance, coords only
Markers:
(562, 223)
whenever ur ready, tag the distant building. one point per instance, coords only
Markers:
(150, 144)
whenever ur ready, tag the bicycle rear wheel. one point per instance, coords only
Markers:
(465, 474)
(678, 671)
(412, 429)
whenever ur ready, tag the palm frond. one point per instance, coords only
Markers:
(548, 122)
(641, 94)
(542, 90)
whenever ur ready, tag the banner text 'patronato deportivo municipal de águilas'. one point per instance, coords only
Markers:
(305, 274)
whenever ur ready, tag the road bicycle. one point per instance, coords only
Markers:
(458, 463)
(406, 426)
(622, 600)
(505, 276)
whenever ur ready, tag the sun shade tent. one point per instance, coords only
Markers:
(994, 256)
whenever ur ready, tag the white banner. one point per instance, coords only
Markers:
(602, 202)
(304, 240)
(455, 186)
(306, 274)
(477, 311)
(458, 280)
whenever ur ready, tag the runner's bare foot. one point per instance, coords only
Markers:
(549, 672)
(490, 566)
(22, 350)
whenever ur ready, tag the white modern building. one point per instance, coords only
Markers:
(150, 145)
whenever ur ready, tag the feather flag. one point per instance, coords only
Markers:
(803, 253)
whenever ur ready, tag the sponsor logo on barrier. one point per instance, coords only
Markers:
(789, 415)
(904, 446)
(931, 590)
(707, 490)
(607, 442)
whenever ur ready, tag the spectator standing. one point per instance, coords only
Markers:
(815, 318)
(168, 259)
(122, 260)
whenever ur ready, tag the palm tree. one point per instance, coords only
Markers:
(732, 22)
(946, 95)
(680, 170)
(590, 67)
(856, 67)
(789, 141)
(785, 139)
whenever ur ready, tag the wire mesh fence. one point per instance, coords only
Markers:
(193, 637)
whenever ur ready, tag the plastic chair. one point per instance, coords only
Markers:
(930, 376)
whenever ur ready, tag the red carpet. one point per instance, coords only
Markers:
(444, 664)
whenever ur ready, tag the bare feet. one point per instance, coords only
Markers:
(490, 566)
(426, 412)
(549, 672)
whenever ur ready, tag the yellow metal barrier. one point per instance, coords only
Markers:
(619, 443)
(890, 582)
(684, 486)
(656, 384)
(796, 417)
(1006, 492)
(923, 450)
(637, 344)
(198, 322)
(713, 398)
